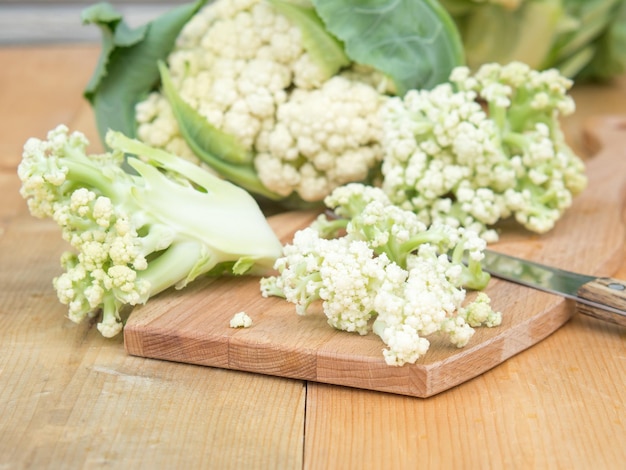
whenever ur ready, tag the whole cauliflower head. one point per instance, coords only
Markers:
(246, 69)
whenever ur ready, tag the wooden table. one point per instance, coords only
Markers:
(72, 399)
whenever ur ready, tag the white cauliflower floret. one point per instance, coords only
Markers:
(306, 73)
(479, 312)
(340, 272)
(156, 125)
(451, 161)
(439, 143)
(240, 320)
(426, 303)
(404, 343)
(334, 129)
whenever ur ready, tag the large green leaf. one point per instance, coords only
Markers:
(414, 42)
(127, 69)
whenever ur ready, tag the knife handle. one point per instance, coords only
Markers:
(604, 291)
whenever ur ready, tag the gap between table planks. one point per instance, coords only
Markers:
(192, 325)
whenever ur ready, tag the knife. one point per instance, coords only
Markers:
(600, 297)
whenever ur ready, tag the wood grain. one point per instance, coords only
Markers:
(68, 397)
(604, 291)
(541, 409)
(192, 325)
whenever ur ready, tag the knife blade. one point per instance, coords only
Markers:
(600, 297)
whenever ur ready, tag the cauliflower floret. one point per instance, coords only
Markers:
(479, 312)
(130, 232)
(342, 273)
(448, 158)
(329, 135)
(306, 73)
(404, 344)
(240, 320)
(157, 126)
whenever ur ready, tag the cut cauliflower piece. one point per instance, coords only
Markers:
(135, 235)
(240, 320)
(452, 161)
(378, 268)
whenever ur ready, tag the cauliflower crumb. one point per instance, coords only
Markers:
(241, 320)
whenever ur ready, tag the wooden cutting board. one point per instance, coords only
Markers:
(192, 325)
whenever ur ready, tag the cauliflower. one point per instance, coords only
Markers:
(248, 70)
(451, 161)
(379, 268)
(135, 235)
(240, 320)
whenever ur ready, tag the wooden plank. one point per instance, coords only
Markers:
(192, 325)
(72, 399)
(44, 98)
(542, 409)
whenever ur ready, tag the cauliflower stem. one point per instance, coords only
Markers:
(135, 235)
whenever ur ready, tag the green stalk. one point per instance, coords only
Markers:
(85, 174)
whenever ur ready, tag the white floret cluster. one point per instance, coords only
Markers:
(440, 143)
(426, 302)
(322, 138)
(454, 161)
(107, 258)
(341, 272)
(240, 320)
(244, 68)
(107, 254)
(372, 279)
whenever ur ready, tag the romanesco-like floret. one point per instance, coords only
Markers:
(378, 268)
(246, 69)
(451, 161)
(134, 235)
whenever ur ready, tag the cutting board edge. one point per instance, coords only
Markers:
(421, 380)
